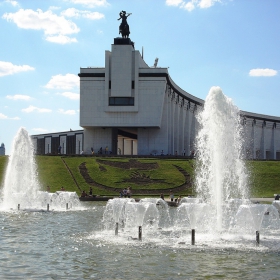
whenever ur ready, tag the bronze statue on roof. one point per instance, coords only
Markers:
(124, 27)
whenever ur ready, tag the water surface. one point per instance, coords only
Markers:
(73, 245)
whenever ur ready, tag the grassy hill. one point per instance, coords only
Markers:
(146, 176)
(108, 176)
(265, 178)
(3, 164)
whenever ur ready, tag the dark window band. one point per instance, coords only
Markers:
(121, 101)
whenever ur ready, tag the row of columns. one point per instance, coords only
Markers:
(181, 123)
(258, 143)
(182, 126)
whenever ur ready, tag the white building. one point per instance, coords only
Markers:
(133, 108)
(67, 142)
(129, 108)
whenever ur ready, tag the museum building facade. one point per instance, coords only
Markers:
(129, 108)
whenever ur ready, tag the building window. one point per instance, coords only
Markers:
(121, 101)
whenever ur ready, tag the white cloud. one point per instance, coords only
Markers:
(50, 23)
(7, 68)
(188, 6)
(72, 12)
(90, 3)
(173, 2)
(12, 2)
(258, 72)
(68, 81)
(203, 4)
(61, 39)
(70, 95)
(19, 97)
(66, 112)
(4, 117)
(192, 4)
(41, 130)
(31, 109)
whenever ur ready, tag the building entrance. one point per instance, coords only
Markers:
(127, 141)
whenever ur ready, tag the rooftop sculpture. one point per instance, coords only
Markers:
(124, 27)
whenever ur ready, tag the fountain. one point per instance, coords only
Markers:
(222, 209)
(221, 174)
(126, 213)
(83, 244)
(21, 186)
(220, 170)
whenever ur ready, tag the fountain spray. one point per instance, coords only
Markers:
(21, 184)
(220, 170)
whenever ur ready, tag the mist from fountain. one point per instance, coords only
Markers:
(21, 185)
(221, 173)
(222, 210)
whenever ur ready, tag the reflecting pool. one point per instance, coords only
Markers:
(75, 245)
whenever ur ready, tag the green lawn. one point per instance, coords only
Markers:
(54, 172)
(115, 177)
(73, 164)
(3, 164)
(265, 178)
(170, 177)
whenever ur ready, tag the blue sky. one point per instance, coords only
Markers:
(233, 44)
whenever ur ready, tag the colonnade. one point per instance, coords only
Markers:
(262, 135)
(262, 139)
(181, 122)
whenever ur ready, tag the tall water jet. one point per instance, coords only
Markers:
(220, 170)
(222, 204)
(21, 184)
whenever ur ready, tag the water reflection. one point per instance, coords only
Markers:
(73, 245)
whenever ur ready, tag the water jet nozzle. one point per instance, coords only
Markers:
(140, 233)
(193, 236)
(257, 238)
